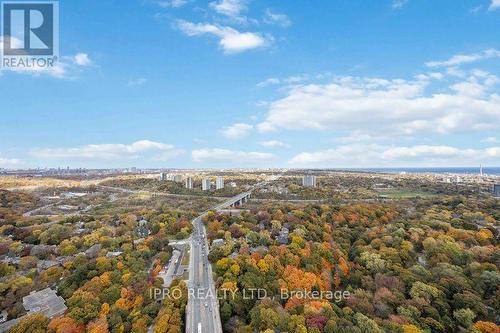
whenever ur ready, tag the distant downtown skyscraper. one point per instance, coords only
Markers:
(309, 181)
(219, 183)
(205, 184)
(189, 183)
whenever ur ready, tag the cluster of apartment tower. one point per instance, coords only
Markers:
(206, 183)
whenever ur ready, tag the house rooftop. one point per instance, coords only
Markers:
(218, 242)
(45, 301)
(112, 254)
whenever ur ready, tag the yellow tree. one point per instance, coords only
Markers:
(411, 329)
(100, 325)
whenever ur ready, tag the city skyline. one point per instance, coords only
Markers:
(234, 83)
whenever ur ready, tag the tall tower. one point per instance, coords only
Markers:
(481, 170)
(219, 183)
(189, 183)
(205, 184)
(309, 181)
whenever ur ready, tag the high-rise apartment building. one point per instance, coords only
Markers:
(219, 183)
(496, 190)
(309, 181)
(205, 184)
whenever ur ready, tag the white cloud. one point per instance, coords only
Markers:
(495, 4)
(82, 59)
(230, 8)
(379, 106)
(172, 3)
(16, 43)
(9, 162)
(430, 76)
(277, 18)
(230, 157)
(358, 136)
(398, 4)
(476, 85)
(236, 131)
(372, 155)
(66, 68)
(230, 40)
(490, 139)
(274, 144)
(268, 82)
(296, 78)
(461, 59)
(111, 151)
(136, 81)
(290, 80)
(476, 9)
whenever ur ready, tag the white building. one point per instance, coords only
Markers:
(45, 301)
(205, 184)
(170, 177)
(189, 183)
(309, 181)
(219, 183)
(217, 242)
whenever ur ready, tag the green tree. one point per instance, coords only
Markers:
(465, 317)
(55, 234)
(365, 324)
(83, 306)
(34, 323)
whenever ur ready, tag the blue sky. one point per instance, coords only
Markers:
(235, 83)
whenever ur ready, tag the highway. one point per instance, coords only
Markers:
(203, 306)
(202, 313)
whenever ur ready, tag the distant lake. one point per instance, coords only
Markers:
(456, 170)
